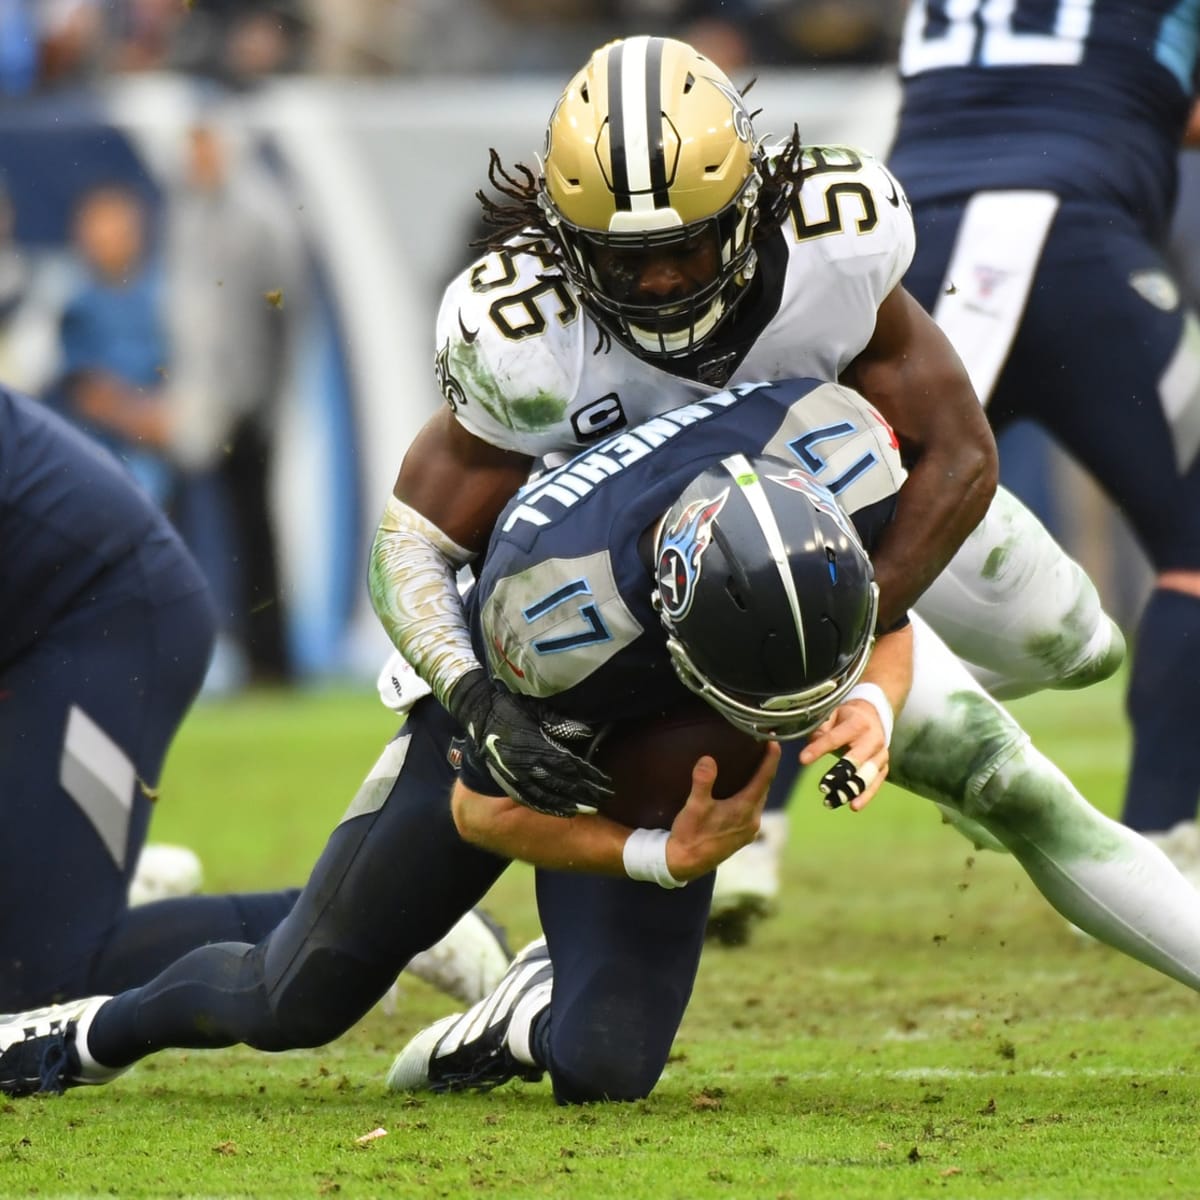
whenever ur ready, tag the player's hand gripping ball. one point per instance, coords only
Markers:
(650, 763)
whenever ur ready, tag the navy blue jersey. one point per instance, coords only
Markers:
(563, 603)
(1085, 98)
(68, 512)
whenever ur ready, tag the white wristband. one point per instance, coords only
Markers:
(645, 858)
(874, 695)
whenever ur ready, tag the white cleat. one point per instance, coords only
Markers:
(747, 884)
(164, 871)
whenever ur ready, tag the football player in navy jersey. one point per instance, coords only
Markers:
(1038, 144)
(106, 627)
(661, 251)
(562, 578)
(695, 552)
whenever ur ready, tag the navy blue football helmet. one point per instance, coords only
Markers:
(766, 594)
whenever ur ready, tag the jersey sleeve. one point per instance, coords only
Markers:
(898, 227)
(875, 237)
(505, 355)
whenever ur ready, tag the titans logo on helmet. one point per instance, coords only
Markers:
(683, 545)
(819, 496)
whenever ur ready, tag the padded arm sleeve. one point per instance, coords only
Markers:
(412, 580)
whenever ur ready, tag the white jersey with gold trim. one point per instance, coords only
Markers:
(526, 368)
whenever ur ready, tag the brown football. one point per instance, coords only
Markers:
(651, 762)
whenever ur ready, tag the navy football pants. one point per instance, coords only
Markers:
(1088, 363)
(86, 715)
(392, 880)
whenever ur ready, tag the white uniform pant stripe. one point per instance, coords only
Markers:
(991, 269)
(99, 776)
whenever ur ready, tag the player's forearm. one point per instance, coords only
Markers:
(412, 577)
(591, 844)
(890, 666)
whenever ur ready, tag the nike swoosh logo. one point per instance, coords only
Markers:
(468, 335)
(893, 200)
(489, 744)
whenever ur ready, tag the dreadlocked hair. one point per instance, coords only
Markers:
(783, 173)
(522, 218)
(521, 215)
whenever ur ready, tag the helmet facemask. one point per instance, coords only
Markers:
(605, 268)
(783, 717)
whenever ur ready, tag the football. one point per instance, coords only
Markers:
(651, 762)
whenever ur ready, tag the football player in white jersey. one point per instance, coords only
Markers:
(660, 252)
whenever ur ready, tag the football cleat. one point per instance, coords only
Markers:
(746, 889)
(164, 871)
(468, 962)
(487, 1045)
(44, 1050)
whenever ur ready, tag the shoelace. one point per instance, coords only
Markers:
(55, 1060)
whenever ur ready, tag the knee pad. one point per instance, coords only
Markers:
(603, 1073)
(1019, 611)
(610, 1035)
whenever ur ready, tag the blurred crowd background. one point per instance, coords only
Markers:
(47, 43)
(225, 224)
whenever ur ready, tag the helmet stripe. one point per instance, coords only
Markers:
(654, 123)
(616, 127)
(739, 467)
(635, 125)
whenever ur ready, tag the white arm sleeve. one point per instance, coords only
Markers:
(412, 579)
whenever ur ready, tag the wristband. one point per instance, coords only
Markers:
(645, 858)
(874, 695)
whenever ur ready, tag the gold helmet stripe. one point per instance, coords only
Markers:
(639, 169)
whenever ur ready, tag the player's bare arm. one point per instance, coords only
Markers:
(860, 728)
(911, 373)
(704, 834)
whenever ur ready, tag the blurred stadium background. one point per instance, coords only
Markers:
(372, 121)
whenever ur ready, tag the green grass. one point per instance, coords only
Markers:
(916, 1022)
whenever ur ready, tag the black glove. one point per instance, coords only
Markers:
(528, 749)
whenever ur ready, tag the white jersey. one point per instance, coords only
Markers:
(526, 368)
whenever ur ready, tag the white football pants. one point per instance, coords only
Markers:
(954, 745)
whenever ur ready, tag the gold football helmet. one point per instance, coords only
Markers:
(650, 152)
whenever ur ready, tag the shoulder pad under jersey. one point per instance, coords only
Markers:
(848, 236)
(510, 336)
(853, 209)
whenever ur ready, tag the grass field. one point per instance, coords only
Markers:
(916, 1022)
